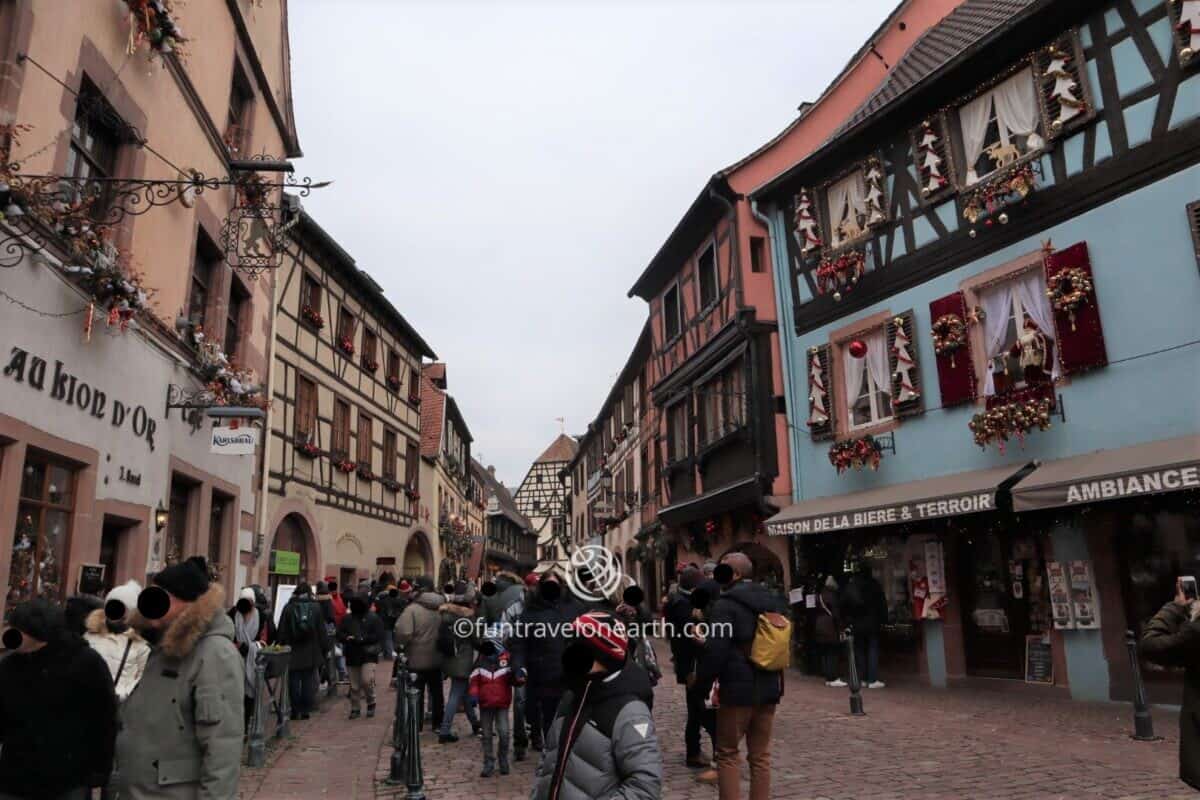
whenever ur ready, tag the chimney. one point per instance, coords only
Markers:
(491, 470)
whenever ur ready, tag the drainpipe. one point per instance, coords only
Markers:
(785, 328)
(260, 538)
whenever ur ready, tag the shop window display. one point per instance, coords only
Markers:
(43, 525)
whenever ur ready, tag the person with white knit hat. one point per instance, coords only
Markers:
(110, 634)
(250, 632)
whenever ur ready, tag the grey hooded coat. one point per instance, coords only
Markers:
(181, 728)
(615, 755)
(417, 631)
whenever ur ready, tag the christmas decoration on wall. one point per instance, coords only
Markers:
(841, 272)
(226, 383)
(1006, 186)
(873, 177)
(931, 158)
(818, 416)
(1032, 353)
(956, 382)
(1187, 28)
(1069, 289)
(1078, 333)
(806, 223)
(1011, 420)
(949, 336)
(903, 390)
(1064, 91)
(312, 316)
(857, 348)
(114, 287)
(152, 23)
(856, 453)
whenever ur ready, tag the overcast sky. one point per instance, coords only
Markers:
(506, 170)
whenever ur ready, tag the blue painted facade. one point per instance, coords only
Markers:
(1147, 291)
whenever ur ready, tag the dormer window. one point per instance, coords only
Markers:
(1000, 126)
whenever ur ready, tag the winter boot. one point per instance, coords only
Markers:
(370, 710)
(355, 713)
(504, 766)
(488, 770)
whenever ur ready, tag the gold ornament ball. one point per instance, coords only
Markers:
(1186, 54)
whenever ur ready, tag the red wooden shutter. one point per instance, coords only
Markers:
(821, 403)
(956, 371)
(1080, 341)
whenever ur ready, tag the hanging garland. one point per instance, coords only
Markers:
(227, 384)
(1017, 419)
(115, 288)
(857, 453)
(152, 23)
(1068, 290)
(1019, 180)
(949, 335)
(841, 272)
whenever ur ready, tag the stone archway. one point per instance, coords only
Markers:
(768, 568)
(293, 534)
(418, 557)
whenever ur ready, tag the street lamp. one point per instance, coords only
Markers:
(160, 517)
(605, 479)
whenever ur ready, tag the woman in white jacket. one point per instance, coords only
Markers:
(110, 635)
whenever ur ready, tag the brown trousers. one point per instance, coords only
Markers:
(362, 682)
(754, 723)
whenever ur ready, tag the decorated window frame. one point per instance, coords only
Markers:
(933, 159)
(1006, 156)
(870, 331)
(1185, 27)
(872, 188)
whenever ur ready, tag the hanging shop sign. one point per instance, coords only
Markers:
(23, 367)
(228, 441)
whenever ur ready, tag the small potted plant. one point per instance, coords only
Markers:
(370, 364)
(307, 447)
(344, 464)
(346, 345)
(365, 473)
(393, 382)
(313, 317)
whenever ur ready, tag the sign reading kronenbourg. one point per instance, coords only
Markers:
(234, 441)
(885, 515)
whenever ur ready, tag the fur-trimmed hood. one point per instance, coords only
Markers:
(456, 610)
(204, 617)
(96, 623)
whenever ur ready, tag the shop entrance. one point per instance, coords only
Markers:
(1005, 598)
(289, 554)
(115, 535)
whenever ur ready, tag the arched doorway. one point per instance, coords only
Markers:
(768, 568)
(418, 557)
(291, 549)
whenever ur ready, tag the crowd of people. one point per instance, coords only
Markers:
(150, 693)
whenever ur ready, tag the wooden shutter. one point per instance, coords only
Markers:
(910, 405)
(804, 210)
(1064, 93)
(821, 403)
(956, 371)
(935, 176)
(1080, 340)
(1193, 218)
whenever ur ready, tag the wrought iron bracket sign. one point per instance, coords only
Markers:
(191, 404)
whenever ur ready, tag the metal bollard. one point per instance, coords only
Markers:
(256, 752)
(1143, 723)
(412, 741)
(284, 718)
(856, 703)
(331, 666)
(399, 723)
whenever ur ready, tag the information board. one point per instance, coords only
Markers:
(1039, 659)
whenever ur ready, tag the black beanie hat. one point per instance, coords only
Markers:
(40, 619)
(186, 580)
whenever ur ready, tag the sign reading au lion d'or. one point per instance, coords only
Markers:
(886, 515)
(234, 441)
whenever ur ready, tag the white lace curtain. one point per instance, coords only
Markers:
(876, 362)
(1030, 291)
(1016, 115)
(846, 202)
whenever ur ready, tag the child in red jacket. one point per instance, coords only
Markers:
(491, 686)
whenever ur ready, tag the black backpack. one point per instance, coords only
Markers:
(447, 642)
(305, 619)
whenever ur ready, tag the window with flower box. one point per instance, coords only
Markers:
(370, 350)
(306, 410)
(365, 442)
(389, 454)
(345, 331)
(310, 302)
(868, 384)
(339, 442)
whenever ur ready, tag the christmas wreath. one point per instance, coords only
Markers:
(857, 453)
(1017, 419)
(1068, 290)
(949, 335)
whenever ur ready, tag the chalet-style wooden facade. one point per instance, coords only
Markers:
(544, 495)
(344, 476)
(990, 280)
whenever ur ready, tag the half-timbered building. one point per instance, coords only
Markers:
(345, 480)
(445, 474)
(509, 539)
(988, 281)
(544, 496)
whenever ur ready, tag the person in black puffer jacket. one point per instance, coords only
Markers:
(360, 635)
(680, 614)
(537, 655)
(58, 708)
(747, 694)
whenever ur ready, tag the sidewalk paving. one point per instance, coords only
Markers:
(915, 742)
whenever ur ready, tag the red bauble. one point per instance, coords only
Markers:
(858, 348)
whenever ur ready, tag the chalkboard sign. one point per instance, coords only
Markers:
(91, 579)
(1039, 660)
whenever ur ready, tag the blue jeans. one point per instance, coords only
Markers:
(388, 644)
(302, 691)
(866, 656)
(459, 694)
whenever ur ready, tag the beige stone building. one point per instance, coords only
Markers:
(345, 432)
(99, 481)
(445, 477)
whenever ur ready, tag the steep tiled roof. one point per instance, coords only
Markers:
(503, 496)
(961, 29)
(433, 412)
(561, 449)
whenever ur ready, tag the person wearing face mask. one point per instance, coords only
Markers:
(58, 709)
(537, 648)
(181, 728)
(110, 634)
(748, 695)
(250, 633)
(360, 634)
(602, 742)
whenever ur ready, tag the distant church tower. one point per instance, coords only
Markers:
(542, 496)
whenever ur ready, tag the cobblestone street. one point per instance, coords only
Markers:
(1009, 743)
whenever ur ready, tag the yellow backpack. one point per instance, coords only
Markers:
(771, 649)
